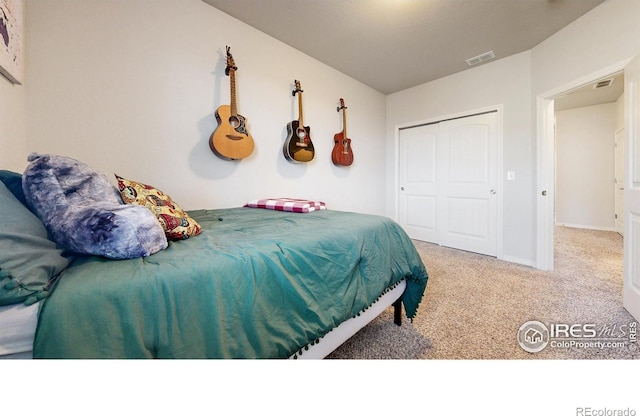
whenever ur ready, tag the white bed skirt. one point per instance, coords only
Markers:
(18, 328)
(348, 328)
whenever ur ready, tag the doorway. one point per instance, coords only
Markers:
(631, 259)
(546, 156)
(586, 122)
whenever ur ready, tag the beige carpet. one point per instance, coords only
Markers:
(475, 304)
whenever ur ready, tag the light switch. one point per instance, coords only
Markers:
(511, 175)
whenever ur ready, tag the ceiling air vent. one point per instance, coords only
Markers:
(487, 56)
(603, 83)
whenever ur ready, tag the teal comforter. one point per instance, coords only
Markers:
(256, 283)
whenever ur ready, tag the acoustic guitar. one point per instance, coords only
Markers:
(231, 140)
(298, 146)
(342, 155)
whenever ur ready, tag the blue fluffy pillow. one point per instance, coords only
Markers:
(84, 213)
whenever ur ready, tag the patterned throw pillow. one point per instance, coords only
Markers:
(177, 224)
(287, 204)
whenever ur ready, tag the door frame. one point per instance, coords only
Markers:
(545, 161)
(498, 108)
(619, 210)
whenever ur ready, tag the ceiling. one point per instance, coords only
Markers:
(392, 45)
(605, 90)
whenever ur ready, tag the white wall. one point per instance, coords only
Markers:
(585, 156)
(131, 86)
(12, 126)
(507, 82)
(620, 113)
(605, 36)
(12, 123)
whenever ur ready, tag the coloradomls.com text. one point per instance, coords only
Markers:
(589, 411)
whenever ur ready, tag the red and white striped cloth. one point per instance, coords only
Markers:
(287, 204)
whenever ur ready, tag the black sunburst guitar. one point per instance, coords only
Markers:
(298, 146)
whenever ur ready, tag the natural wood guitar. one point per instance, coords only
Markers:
(342, 155)
(298, 146)
(231, 140)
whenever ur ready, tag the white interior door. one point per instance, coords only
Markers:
(467, 203)
(417, 175)
(447, 177)
(631, 274)
(620, 144)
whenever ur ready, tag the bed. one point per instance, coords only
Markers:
(255, 282)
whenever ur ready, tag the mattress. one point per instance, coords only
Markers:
(17, 329)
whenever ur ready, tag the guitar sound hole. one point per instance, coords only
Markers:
(234, 122)
(301, 133)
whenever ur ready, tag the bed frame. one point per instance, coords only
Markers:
(332, 340)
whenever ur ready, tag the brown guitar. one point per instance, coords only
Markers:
(231, 140)
(298, 146)
(342, 155)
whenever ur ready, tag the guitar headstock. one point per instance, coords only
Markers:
(342, 106)
(230, 63)
(298, 89)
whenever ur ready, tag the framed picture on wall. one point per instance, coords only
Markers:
(11, 40)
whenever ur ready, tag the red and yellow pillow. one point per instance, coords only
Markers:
(175, 222)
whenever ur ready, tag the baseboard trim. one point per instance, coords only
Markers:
(517, 260)
(586, 227)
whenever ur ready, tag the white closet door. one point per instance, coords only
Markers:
(447, 177)
(417, 202)
(468, 172)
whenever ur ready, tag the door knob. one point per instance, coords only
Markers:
(544, 193)
(492, 192)
(402, 188)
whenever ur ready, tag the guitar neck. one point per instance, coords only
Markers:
(234, 108)
(344, 123)
(300, 119)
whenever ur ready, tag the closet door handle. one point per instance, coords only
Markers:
(492, 192)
